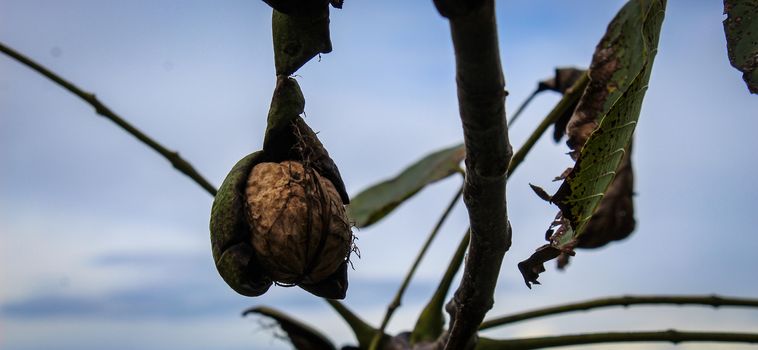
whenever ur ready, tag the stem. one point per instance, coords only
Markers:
(172, 156)
(523, 106)
(628, 300)
(431, 321)
(569, 99)
(362, 330)
(481, 101)
(671, 335)
(399, 295)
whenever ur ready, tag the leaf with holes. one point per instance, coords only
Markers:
(377, 201)
(605, 117)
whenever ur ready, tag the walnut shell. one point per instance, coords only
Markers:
(232, 252)
(298, 226)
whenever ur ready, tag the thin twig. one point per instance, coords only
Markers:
(569, 99)
(172, 156)
(399, 295)
(627, 300)
(523, 106)
(671, 335)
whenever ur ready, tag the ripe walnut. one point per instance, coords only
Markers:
(298, 227)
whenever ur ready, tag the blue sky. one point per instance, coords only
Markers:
(103, 245)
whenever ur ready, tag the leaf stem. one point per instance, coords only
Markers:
(627, 300)
(523, 106)
(172, 156)
(399, 294)
(671, 335)
(569, 99)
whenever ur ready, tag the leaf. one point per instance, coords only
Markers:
(605, 117)
(741, 29)
(564, 78)
(364, 333)
(302, 336)
(431, 322)
(614, 218)
(540, 192)
(298, 37)
(377, 201)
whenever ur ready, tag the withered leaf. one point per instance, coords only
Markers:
(603, 123)
(302, 336)
(532, 267)
(541, 193)
(563, 82)
(565, 78)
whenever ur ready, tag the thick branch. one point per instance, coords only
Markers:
(627, 300)
(481, 99)
(671, 335)
(176, 161)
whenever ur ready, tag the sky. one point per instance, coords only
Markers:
(104, 245)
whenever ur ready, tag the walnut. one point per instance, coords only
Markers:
(298, 226)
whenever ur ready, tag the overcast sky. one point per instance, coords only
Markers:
(104, 246)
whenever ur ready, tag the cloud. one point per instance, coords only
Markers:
(180, 286)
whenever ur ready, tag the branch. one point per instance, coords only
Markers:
(172, 156)
(671, 335)
(399, 295)
(481, 99)
(627, 300)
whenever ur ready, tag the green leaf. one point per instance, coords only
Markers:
(607, 116)
(377, 201)
(364, 333)
(302, 336)
(298, 37)
(741, 29)
(431, 322)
